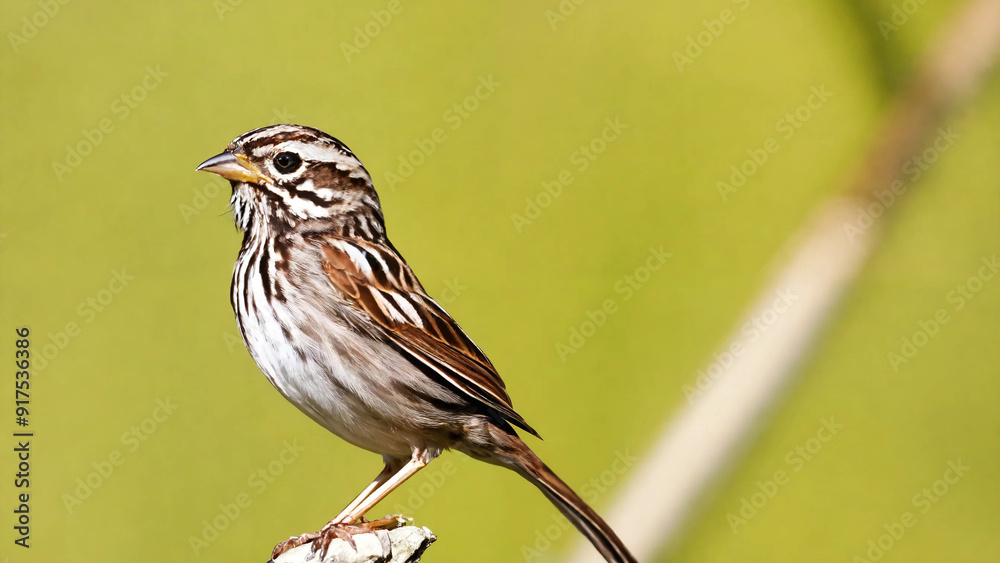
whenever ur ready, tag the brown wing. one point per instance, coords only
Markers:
(378, 282)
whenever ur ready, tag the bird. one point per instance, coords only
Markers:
(339, 324)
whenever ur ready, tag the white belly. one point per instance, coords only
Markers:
(339, 379)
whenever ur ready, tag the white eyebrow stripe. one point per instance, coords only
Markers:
(318, 153)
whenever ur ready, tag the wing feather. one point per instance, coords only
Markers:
(378, 282)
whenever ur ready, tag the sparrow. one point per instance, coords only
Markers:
(340, 325)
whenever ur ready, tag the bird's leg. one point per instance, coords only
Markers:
(337, 529)
(390, 468)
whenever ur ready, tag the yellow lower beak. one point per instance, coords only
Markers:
(232, 167)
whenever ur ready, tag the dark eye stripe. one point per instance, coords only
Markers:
(307, 195)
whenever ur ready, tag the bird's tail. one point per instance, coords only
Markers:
(571, 505)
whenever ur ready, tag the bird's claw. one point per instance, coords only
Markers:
(292, 543)
(337, 530)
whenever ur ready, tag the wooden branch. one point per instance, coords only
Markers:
(402, 545)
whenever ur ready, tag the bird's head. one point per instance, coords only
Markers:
(284, 176)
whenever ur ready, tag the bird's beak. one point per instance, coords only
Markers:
(232, 167)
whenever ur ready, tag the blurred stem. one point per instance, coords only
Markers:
(950, 74)
(706, 437)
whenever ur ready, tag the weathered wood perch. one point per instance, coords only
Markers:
(402, 545)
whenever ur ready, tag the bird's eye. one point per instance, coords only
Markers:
(287, 162)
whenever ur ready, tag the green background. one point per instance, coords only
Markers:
(135, 204)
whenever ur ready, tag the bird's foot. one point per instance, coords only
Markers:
(344, 531)
(334, 530)
(292, 543)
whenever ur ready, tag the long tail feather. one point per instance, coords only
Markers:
(572, 506)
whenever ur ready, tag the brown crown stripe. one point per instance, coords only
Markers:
(253, 140)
